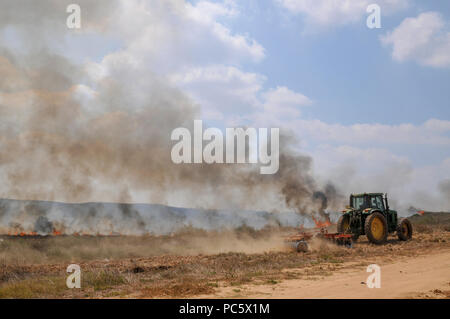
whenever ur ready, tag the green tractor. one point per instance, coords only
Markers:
(369, 214)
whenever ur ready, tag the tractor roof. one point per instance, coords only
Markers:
(362, 194)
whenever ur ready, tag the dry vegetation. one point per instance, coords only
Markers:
(186, 264)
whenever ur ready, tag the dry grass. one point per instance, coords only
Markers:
(45, 250)
(47, 287)
(431, 222)
(151, 267)
(181, 288)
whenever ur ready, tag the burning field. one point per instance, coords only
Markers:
(235, 263)
(88, 176)
(40, 218)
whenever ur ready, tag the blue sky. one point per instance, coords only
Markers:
(346, 70)
(351, 77)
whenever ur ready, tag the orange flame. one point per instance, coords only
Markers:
(321, 224)
(22, 234)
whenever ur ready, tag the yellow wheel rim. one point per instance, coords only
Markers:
(377, 228)
(345, 225)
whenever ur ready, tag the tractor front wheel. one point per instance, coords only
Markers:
(343, 227)
(376, 228)
(404, 229)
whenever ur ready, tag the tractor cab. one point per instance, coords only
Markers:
(369, 201)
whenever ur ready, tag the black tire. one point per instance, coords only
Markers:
(404, 229)
(343, 227)
(349, 243)
(302, 247)
(376, 228)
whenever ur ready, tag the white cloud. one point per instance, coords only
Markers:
(284, 101)
(437, 125)
(425, 39)
(207, 13)
(371, 169)
(189, 45)
(361, 164)
(167, 35)
(235, 96)
(357, 134)
(338, 12)
(222, 91)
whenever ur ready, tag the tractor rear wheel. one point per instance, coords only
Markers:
(404, 229)
(376, 228)
(343, 227)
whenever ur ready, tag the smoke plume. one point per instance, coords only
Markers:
(70, 132)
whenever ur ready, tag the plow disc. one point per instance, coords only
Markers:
(299, 242)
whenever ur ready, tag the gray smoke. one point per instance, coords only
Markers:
(43, 226)
(444, 188)
(115, 146)
(131, 219)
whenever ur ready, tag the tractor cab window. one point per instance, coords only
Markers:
(377, 202)
(358, 202)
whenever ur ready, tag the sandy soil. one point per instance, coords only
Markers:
(419, 277)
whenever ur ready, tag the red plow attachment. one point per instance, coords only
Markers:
(300, 241)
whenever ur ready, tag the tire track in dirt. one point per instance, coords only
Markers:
(426, 276)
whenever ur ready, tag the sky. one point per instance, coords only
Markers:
(370, 106)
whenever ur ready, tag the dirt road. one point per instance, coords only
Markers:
(422, 277)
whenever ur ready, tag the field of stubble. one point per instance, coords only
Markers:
(194, 263)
